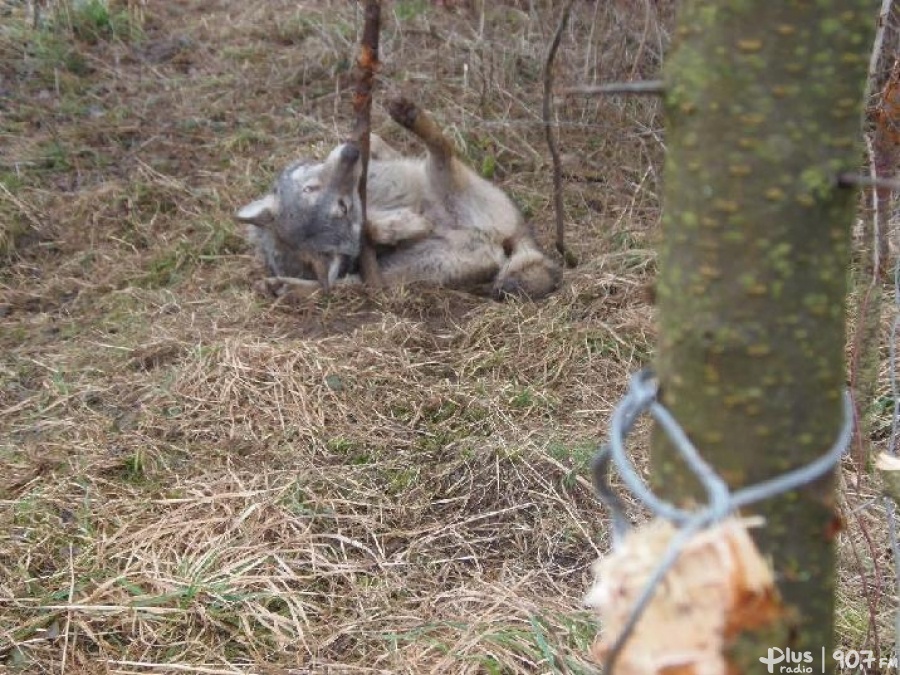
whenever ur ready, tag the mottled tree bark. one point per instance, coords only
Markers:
(764, 104)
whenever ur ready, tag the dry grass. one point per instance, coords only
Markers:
(197, 480)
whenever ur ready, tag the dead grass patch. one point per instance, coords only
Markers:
(198, 479)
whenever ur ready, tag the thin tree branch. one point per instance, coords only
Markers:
(366, 65)
(559, 209)
(643, 87)
(878, 47)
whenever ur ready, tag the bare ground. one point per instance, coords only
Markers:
(197, 479)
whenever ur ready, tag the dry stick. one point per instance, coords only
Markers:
(646, 87)
(639, 54)
(362, 104)
(875, 60)
(885, 155)
(568, 257)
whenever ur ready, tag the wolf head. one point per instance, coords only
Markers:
(528, 273)
(309, 225)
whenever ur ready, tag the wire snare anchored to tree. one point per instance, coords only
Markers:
(432, 220)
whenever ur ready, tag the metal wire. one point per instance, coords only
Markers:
(641, 398)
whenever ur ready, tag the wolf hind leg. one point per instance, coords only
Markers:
(440, 262)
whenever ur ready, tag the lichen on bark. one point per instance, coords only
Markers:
(763, 113)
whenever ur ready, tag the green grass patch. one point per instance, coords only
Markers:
(407, 10)
(501, 647)
(15, 231)
(293, 30)
(55, 157)
(579, 454)
(218, 238)
(168, 268)
(92, 21)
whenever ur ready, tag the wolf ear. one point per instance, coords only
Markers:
(260, 212)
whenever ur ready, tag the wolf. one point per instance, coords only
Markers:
(431, 219)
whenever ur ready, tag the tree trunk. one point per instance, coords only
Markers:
(764, 104)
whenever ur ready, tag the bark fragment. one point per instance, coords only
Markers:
(720, 588)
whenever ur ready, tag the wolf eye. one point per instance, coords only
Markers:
(343, 207)
(310, 188)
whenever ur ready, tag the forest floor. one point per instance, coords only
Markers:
(196, 478)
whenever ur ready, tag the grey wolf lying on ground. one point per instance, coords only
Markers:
(433, 220)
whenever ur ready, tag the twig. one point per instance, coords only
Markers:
(878, 47)
(366, 65)
(568, 257)
(646, 87)
(639, 54)
(885, 152)
(180, 668)
(65, 649)
(866, 583)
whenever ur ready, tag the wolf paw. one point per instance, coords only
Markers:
(279, 287)
(403, 112)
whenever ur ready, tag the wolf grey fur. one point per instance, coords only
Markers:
(432, 219)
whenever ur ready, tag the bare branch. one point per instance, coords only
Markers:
(884, 115)
(366, 65)
(644, 87)
(559, 209)
(878, 51)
